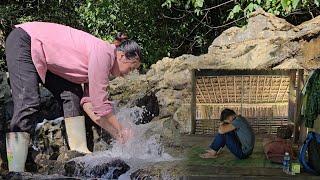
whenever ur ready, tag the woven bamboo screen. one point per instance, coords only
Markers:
(262, 99)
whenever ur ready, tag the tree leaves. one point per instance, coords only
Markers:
(198, 3)
(295, 4)
(285, 3)
(235, 10)
(277, 7)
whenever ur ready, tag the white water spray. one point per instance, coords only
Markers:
(137, 152)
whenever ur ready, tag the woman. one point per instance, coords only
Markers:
(63, 58)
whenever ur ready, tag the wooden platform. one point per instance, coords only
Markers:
(226, 165)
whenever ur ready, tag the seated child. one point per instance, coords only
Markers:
(234, 132)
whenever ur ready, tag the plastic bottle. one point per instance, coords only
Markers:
(286, 163)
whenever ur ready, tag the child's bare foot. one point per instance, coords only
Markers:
(209, 154)
(219, 152)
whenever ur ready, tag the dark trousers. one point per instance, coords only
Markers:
(232, 142)
(24, 82)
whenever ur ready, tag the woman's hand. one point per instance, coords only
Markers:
(87, 107)
(110, 124)
(124, 135)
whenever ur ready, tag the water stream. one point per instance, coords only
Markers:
(142, 150)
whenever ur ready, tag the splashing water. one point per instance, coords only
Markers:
(140, 146)
(109, 174)
(140, 150)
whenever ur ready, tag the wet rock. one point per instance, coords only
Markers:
(43, 162)
(177, 80)
(31, 165)
(50, 136)
(125, 90)
(163, 170)
(182, 116)
(3, 155)
(169, 101)
(68, 155)
(108, 170)
(170, 132)
(141, 174)
(2, 39)
(58, 165)
(4, 98)
(49, 145)
(50, 139)
(98, 139)
(17, 176)
(31, 176)
(151, 108)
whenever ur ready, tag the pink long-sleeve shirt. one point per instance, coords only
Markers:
(76, 56)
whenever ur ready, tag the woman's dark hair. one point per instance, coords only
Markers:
(131, 49)
(226, 113)
(119, 38)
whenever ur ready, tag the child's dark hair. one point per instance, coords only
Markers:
(226, 113)
(131, 49)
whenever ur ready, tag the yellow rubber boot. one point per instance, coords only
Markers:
(17, 150)
(76, 132)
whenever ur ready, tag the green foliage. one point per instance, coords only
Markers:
(139, 19)
(102, 18)
(18, 11)
(235, 10)
(312, 99)
(212, 17)
(282, 8)
(99, 18)
(246, 7)
(195, 3)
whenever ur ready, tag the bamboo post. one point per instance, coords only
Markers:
(272, 117)
(300, 133)
(193, 101)
(242, 89)
(292, 97)
(292, 102)
(259, 118)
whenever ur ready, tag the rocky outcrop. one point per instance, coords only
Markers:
(105, 170)
(267, 42)
(4, 96)
(150, 104)
(2, 39)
